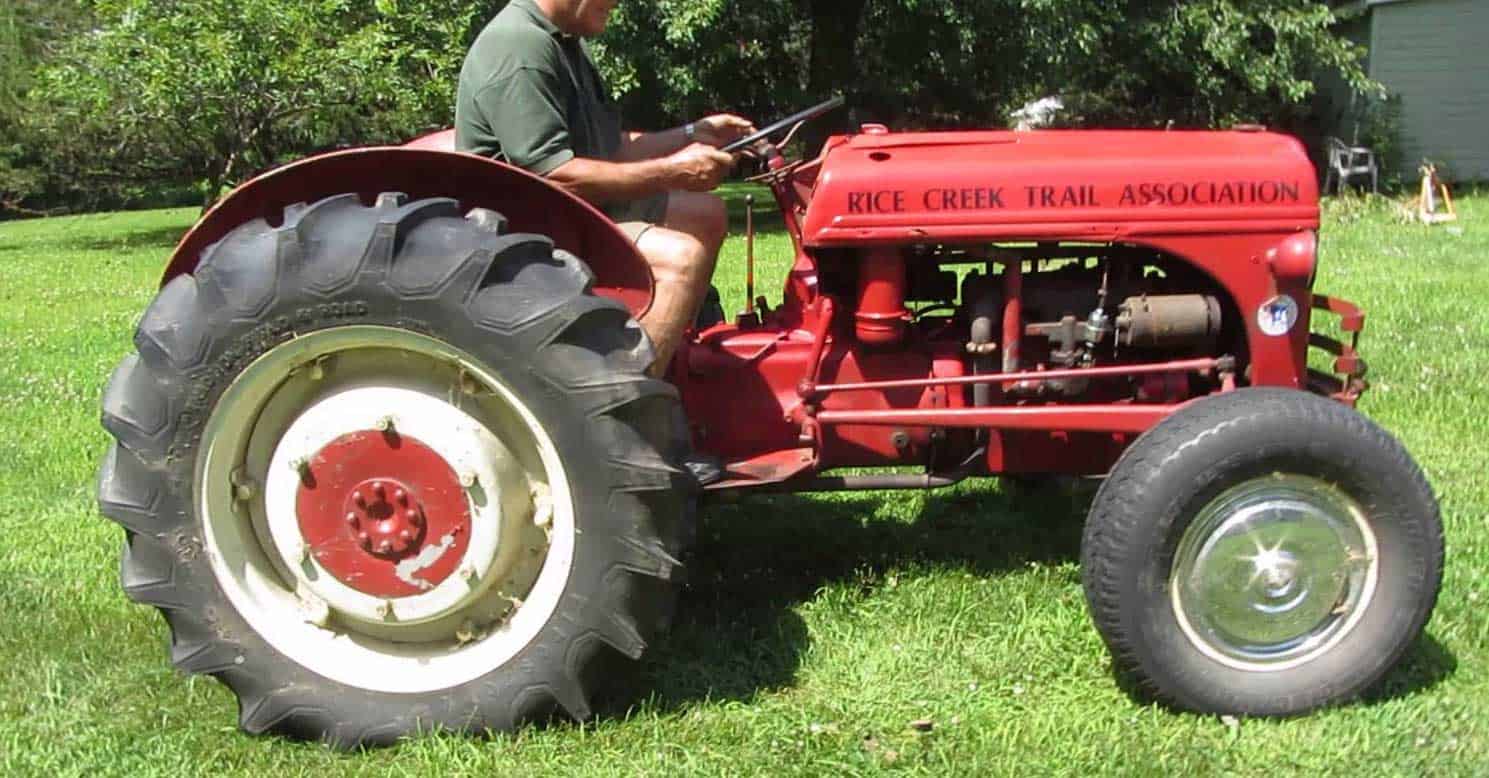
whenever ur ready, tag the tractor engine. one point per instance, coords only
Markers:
(876, 371)
(1038, 307)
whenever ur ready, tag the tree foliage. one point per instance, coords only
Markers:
(201, 93)
(968, 62)
(30, 31)
(1201, 63)
(207, 91)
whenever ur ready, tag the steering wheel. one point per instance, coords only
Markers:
(809, 114)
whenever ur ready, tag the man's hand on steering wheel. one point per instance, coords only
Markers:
(721, 129)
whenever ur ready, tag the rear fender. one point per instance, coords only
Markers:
(530, 204)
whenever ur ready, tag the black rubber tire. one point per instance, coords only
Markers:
(1165, 478)
(514, 302)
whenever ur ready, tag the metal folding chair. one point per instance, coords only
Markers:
(1346, 162)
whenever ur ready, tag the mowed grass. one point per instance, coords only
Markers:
(814, 628)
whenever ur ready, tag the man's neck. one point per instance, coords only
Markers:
(560, 13)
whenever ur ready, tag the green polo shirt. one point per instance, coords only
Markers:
(530, 95)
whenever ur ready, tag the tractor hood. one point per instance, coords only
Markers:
(882, 187)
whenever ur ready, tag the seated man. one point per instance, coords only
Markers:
(531, 96)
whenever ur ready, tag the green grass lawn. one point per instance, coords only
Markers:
(814, 629)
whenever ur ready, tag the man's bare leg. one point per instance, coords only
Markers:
(682, 252)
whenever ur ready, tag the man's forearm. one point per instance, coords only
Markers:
(639, 146)
(599, 181)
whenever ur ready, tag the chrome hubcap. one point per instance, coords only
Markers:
(1274, 572)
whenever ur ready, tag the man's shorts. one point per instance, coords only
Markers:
(635, 217)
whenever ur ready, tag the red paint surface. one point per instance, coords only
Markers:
(387, 519)
(1072, 184)
(1013, 315)
(1201, 365)
(1071, 418)
(881, 314)
(742, 388)
(420, 494)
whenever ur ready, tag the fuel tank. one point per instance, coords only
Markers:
(899, 188)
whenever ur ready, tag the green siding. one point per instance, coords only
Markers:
(1435, 55)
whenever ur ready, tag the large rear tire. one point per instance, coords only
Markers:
(1262, 552)
(388, 469)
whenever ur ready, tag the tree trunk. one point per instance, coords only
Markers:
(833, 67)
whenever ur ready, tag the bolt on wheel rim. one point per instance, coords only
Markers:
(383, 510)
(1274, 572)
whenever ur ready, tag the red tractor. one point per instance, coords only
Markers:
(388, 458)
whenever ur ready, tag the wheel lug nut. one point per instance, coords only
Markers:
(377, 489)
(406, 536)
(385, 547)
(360, 499)
(365, 540)
(351, 518)
(401, 496)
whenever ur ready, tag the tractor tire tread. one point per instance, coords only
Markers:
(1123, 504)
(514, 287)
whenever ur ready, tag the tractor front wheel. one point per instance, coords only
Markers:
(1262, 552)
(388, 469)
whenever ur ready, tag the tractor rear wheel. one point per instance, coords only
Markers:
(1262, 552)
(389, 469)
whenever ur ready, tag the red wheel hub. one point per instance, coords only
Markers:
(386, 518)
(383, 513)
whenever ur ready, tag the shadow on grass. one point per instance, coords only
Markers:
(163, 238)
(736, 634)
(1426, 664)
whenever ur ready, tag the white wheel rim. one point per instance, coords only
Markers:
(306, 392)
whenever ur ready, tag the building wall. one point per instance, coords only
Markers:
(1435, 55)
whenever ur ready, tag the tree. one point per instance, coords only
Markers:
(171, 92)
(1197, 63)
(12, 73)
(29, 33)
(149, 94)
(967, 62)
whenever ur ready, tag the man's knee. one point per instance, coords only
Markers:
(677, 257)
